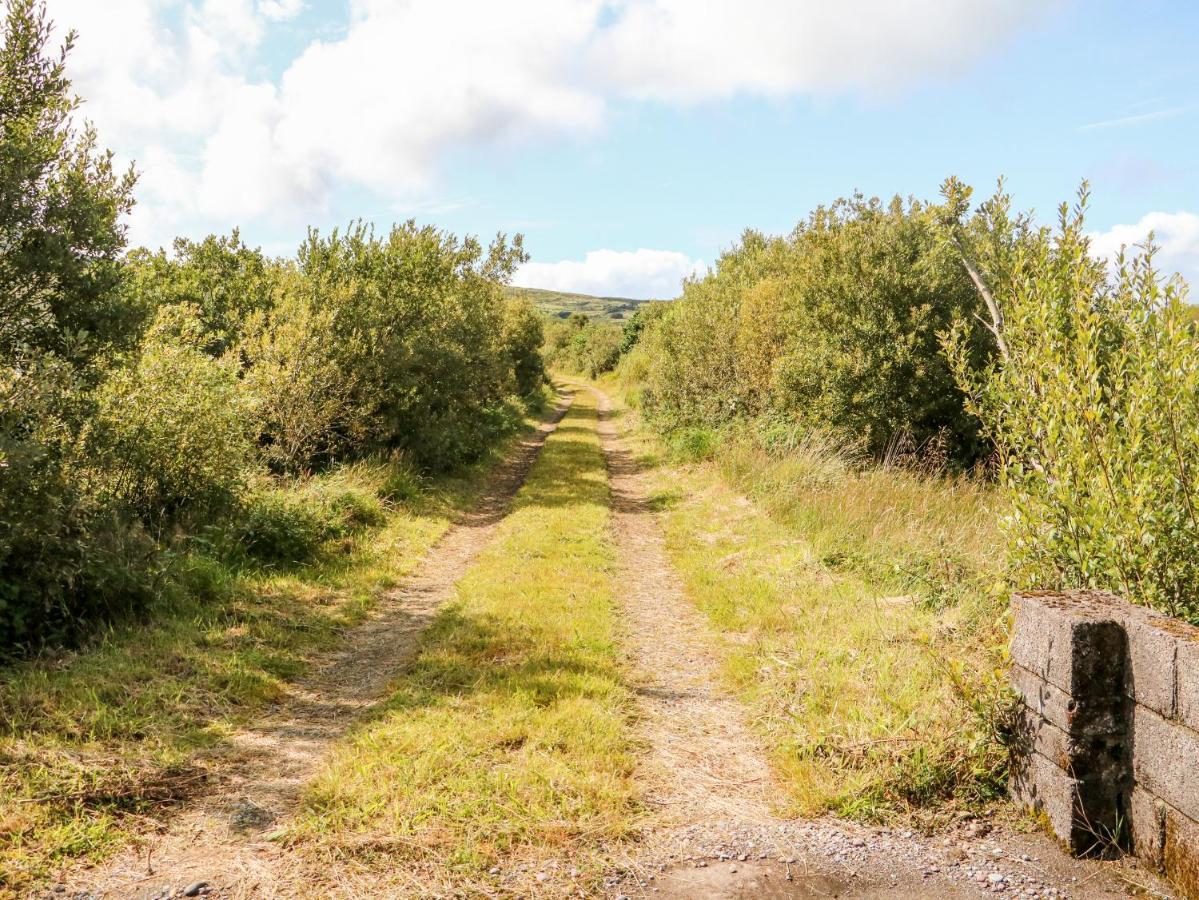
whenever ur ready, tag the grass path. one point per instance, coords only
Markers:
(547, 707)
(503, 758)
(223, 837)
(724, 823)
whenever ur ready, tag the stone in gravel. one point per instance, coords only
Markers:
(249, 816)
(193, 889)
(733, 869)
(542, 878)
(743, 857)
(857, 842)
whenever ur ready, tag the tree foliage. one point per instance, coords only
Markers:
(1094, 409)
(146, 398)
(836, 326)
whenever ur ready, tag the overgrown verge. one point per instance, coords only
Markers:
(98, 741)
(859, 612)
(507, 739)
(147, 397)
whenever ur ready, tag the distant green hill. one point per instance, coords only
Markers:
(562, 305)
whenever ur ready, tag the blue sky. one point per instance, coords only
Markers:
(631, 141)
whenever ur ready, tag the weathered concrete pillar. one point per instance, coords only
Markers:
(1071, 756)
(1108, 747)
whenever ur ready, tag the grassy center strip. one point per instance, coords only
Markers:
(508, 737)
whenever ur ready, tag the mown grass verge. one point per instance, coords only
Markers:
(94, 740)
(860, 616)
(508, 737)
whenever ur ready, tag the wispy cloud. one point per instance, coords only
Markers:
(433, 206)
(1140, 118)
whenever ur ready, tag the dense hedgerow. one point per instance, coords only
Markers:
(582, 346)
(836, 325)
(145, 397)
(928, 330)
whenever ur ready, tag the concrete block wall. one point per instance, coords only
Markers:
(1107, 746)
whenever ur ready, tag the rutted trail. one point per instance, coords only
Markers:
(715, 832)
(706, 775)
(220, 839)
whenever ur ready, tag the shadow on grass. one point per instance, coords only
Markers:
(484, 654)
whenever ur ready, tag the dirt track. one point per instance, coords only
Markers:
(714, 828)
(220, 838)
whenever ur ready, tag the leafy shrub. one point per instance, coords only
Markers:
(274, 526)
(522, 340)
(835, 326)
(171, 435)
(141, 393)
(420, 323)
(62, 555)
(303, 397)
(1094, 409)
(222, 278)
(582, 347)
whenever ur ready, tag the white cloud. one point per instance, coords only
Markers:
(184, 85)
(642, 274)
(279, 10)
(1176, 236)
(681, 50)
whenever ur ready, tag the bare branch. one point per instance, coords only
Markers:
(996, 324)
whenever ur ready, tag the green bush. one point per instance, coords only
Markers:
(836, 326)
(274, 526)
(522, 339)
(420, 324)
(303, 397)
(579, 346)
(63, 556)
(170, 439)
(1094, 410)
(223, 279)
